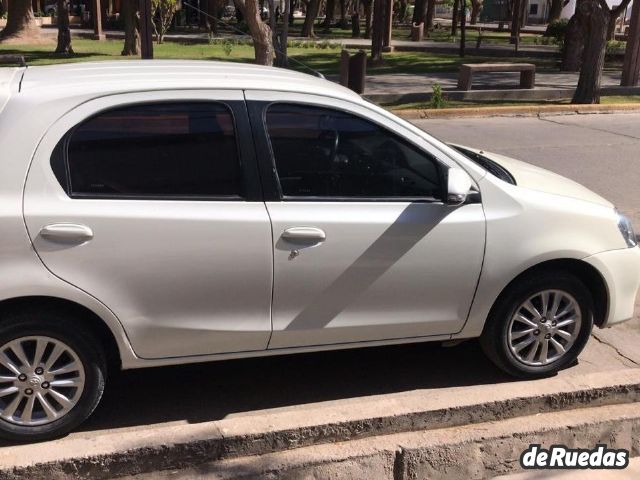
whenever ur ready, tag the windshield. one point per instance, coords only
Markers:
(489, 165)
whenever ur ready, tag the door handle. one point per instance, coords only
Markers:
(304, 234)
(66, 232)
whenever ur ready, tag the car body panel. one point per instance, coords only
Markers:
(170, 270)
(542, 180)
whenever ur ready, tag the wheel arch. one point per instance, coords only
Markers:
(587, 273)
(91, 319)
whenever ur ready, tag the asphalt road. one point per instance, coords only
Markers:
(600, 151)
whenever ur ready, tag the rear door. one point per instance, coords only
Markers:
(151, 203)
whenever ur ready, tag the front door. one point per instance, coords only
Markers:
(364, 247)
(150, 202)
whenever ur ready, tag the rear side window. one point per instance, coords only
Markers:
(185, 149)
(325, 153)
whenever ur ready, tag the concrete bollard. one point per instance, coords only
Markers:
(417, 32)
(357, 71)
(353, 70)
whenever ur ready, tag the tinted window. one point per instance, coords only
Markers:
(327, 153)
(169, 149)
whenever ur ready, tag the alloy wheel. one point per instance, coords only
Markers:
(544, 327)
(41, 380)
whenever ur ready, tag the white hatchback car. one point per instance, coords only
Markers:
(157, 213)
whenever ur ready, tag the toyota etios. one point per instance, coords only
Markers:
(157, 213)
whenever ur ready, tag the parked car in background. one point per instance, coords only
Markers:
(178, 212)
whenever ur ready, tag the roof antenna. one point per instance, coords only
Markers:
(244, 34)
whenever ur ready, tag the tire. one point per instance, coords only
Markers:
(82, 353)
(501, 348)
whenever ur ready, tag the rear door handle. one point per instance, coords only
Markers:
(66, 232)
(304, 234)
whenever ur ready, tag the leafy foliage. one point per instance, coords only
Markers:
(557, 30)
(438, 99)
(163, 13)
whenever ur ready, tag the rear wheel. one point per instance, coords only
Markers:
(52, 375)
(539, 325)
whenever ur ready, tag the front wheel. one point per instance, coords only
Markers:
(52, 375)
(539, 325)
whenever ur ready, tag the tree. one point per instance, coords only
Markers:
(476, 8)
(64, 33)
(260, 32)
(3, 7)
(555, 10)
(344, 23)
(21, 26)
(577, 33)
(377, 37)
(631, 66)
(330, 16)
(431, 13)
(367, 6)
(162, 15)
(131, 19)
(313, 8)
(595, 20)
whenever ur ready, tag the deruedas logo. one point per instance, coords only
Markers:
(561, 456)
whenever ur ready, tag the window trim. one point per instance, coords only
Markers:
(264, 107)
(245, 172)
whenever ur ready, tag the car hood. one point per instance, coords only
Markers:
(542, 180)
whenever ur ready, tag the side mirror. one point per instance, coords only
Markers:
(458, 185)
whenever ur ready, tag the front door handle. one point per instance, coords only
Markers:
(304, 234)
(66, 232)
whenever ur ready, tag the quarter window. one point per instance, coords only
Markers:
(182, 149)
(320, 152)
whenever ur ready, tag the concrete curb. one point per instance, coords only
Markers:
(127, 452)
(528, 111)
(471, 452)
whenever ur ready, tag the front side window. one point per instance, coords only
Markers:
(320, 152)
(156, 150)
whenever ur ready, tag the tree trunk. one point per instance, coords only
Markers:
(330, 14)
(64, 33)
(260, 32)
(555, 11)
(21, 26)
(419, 8)
(631, 66)
(367, 4)
(313, 7)
(454, 18)
(431, 13)
(574, 39)
(402, 11)
(377, 38)
(597, 18)
(282, 58)
(516, 19)
(476, 8)
(344, 22)
(131, 27)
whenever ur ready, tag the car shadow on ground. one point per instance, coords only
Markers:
(212, 391)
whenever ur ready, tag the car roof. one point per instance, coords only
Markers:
(135, 75)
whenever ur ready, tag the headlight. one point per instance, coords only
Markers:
(624, 224)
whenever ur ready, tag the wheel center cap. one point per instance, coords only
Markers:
(34, 381)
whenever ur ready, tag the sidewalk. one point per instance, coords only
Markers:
(414, 83)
